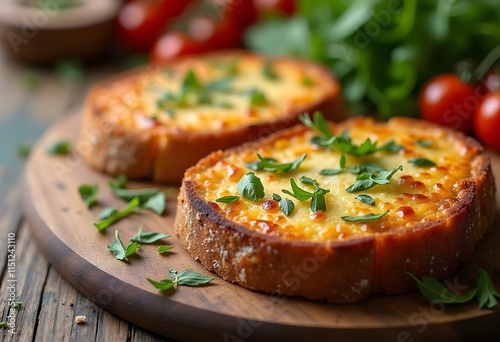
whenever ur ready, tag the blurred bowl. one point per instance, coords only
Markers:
(42, 31)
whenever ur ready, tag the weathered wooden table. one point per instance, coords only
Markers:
(30, 101)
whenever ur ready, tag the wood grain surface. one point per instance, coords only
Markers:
(31, 99)
(62, 227)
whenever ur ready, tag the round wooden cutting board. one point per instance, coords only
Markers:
(63, 228)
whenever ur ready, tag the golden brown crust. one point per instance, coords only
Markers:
(163, 154)
(338, 271)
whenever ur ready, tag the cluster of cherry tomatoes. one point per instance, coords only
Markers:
(145, 25)
(469, 108)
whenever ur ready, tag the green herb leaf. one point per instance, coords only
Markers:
(219, 85)
(270, 164)
(424, 143)
(190, 278)
(125, 194)
(364, 218)
(60, 147)
(118, 215)
(366, 181)
(23, 150)
(298, 193)
(106, 213)
(162, 285)
(330, 172)
(436, 292)
(88, 193)
(421, 162)
(319, 124)
(119, 250)
(317, 196)
(17, 304)
(342, 162)
(307, 81)
(227, 199)
(391, 146)
(257, 98)
(486, 293)
(148, 237)
(250, 187)
(191, 81)
(276, 197)
(164, 248)
(308, 180)
(269, 73)
(384, 176)
(286, 205)
(318, 200)
(3, 324)
(143, 195)
(366, 199)
(368, 167)
(343, 143)
(156, 203)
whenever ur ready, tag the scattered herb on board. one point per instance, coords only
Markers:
(148, 237)
(250, 187)
(17, 304)
(286, 205)
(88, 193)
(24, 149)
(270, 164)
(107, 212)
(70, 71)
(487, 295)
(120, 251)
(421, 162)
(185, 278)
(364, 218)
(60, 147)
(149, 198)
(116, 215)
(435, 292)
(3, 324)
(164, 248)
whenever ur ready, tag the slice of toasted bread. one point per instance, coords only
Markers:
(432, 212)
(157, 121)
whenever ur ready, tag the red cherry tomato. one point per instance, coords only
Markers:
(284, 7)
(174, 44)
(140, 22)
(216, 34)
(487, 121)
(492, 81)
(447, 101)
(242, 12)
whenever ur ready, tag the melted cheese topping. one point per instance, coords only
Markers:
(414, 195)
(140, 104)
